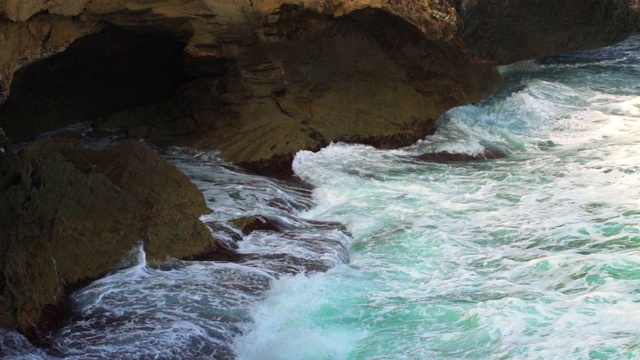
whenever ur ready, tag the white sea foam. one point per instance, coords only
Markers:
(531, 256)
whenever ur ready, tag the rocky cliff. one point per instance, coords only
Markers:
(268, 78)
(256, 79)
(271, 77)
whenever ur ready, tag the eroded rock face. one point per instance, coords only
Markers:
(70, 213)
(273, 76)
(304, 76)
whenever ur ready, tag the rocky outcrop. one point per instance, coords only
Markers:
(273, 77)
(70, 213)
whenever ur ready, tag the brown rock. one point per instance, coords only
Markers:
(69, 214)
(298, 77)
(308, 75)
(250, 224)
(34, 39)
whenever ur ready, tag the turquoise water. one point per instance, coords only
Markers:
(534, 256)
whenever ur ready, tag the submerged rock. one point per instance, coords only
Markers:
(250, 224)
(446, 157)
(68, 214)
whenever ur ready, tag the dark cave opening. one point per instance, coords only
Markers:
(106, 72)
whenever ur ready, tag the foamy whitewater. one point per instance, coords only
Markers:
(533, 256)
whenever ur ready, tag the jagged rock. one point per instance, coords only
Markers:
(68, 214)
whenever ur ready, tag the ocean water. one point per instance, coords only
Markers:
(532, 256)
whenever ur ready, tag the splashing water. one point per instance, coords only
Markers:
(194, 310)
(534, 256)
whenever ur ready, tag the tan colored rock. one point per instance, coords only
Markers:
(69, 214)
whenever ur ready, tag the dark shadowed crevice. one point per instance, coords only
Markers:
(99, 74)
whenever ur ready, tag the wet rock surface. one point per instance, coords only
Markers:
(447, 157)
(255, 223)
(70, 213)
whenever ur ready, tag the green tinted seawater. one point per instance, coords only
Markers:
(535, 256)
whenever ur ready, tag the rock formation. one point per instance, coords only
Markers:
(273, 77)
(70, 213)
(257, 79)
